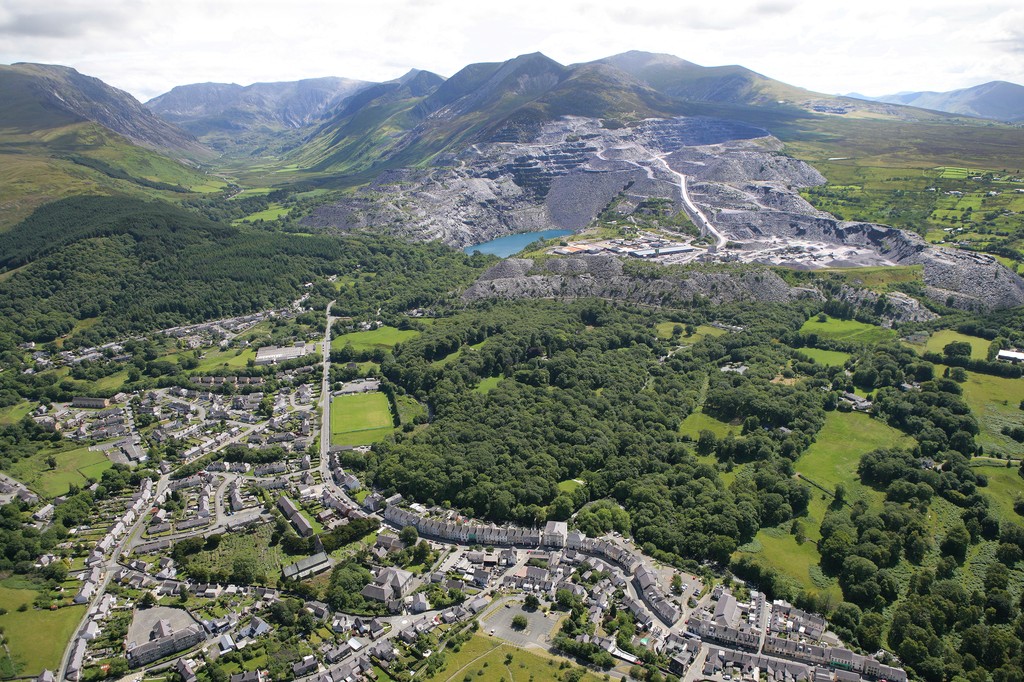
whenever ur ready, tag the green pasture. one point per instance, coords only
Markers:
(35, 638)
(847, 330)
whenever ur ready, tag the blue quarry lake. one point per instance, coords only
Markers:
(503, 247)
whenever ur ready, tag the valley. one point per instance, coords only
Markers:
(753, 409)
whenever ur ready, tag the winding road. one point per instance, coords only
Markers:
(702, 220)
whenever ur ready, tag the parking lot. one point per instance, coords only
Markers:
(539, 631)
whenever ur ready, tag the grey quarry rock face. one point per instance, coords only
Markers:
(572, 168)
(604, 277)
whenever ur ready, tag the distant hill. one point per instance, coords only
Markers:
(40, 96)
(390, 126)
(223, 115)
(63, 133)
(997, 100)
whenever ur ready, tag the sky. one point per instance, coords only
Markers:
(148, 46)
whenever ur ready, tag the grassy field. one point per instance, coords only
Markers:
(664, 331)
(847, 330)
(833, 458)
(569, 485)
(382, 337)
(483, 658)
(360, 419)
(226, 359)
(696, 422)
(488, 384)
(15, 413)
(826, 357)
(937, 341)
(35, 638)
(272, 212)
(781, 551)
(995, 402)
(73, 466)
(1005, 486)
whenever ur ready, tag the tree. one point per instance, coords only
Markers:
(957, 349)
(956, 542)
(51, 461)
(147, 600)
(519, 622)
(531, 603)
(409, 536)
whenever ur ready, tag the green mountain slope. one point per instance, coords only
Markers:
(65, 134)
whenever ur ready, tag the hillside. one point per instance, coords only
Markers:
(65, 134)
(997, 100)
(240, 119)
(38, 96)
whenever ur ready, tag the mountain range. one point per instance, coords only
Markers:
(68, 133)
(997, 100)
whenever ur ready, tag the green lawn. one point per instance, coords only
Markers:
(488, 384)
(995, 402)
(937, 341)
(781, 551)
(226, 359)
(696, 422)
(382, 337)
(826, 357)
(483, 658)
(847, 330)
(15, 413)
(1005, 486)
(664, 331)
(360, 419)
(833, 457)
(569, 485)
(36, 638)
(73, 466)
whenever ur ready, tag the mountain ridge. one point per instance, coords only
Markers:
(997, 100)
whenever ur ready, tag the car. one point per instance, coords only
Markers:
(492, 631)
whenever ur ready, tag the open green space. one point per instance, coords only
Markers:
(569, 485)
(833, 457)
(272, 212)
(35, 638)
(696, 422)
(382, 337)
(666, 329)
(826, 357)
(74, 466)
(940, 339)
(847, 330)
(360, 419)
(15, 413)
(1005, 486)
(995, 403)
(225, 359)
(483, 658)
(487, 384)
(776, 548)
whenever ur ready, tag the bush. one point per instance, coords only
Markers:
(519, 622)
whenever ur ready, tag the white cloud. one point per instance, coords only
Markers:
(149, 46)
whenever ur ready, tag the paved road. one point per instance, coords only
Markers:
(108, 567)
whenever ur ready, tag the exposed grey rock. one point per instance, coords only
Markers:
(603, 277)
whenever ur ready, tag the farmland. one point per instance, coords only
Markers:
(35, 638)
